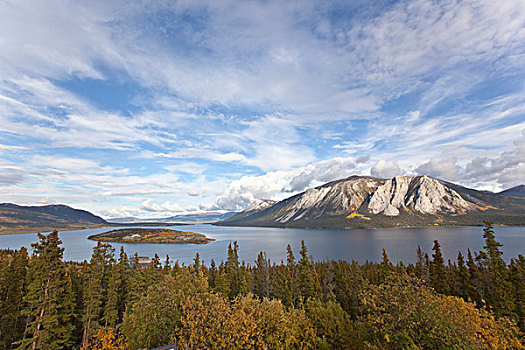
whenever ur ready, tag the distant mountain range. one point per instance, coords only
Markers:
(369, 202)
(17, 219)
(21, 219)
(197, 218)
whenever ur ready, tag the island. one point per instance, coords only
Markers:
(150, 235)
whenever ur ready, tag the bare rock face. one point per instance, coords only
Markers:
(334, 198)
(421, 194)
(259, 204)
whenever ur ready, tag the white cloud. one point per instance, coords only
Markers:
(11, 175)
(166, 207)
(281, 184)
(444, 168)
(12, 147)
(386, 169)
(204, 153)
(323, 171)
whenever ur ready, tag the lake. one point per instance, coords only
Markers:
(400, 243)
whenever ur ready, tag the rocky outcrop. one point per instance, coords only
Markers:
(336, 198)
(259, 204)
(422, 194)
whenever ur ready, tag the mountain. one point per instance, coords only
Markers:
(518, 191)
(258, 205)
(205, 217)
(369, 202)
(16, 218)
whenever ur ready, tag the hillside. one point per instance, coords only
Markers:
(403, 201)
(518, 191)
(18, 219)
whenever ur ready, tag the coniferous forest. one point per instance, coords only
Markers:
(112, 302)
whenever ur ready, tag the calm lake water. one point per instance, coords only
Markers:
(360, 245)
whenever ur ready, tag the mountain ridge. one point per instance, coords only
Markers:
(16, 218)
(516, 191)
(371, 202)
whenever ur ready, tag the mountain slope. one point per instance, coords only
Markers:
(368, 202)
(17, 218)
(518, 191)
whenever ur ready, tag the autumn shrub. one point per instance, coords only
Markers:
(333, 325)
(211, 321)
(404, 314)
(106, 339)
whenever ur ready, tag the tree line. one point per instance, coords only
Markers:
(112, 302)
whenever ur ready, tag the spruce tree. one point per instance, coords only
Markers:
(261, 278)
(475, 292)
(197, 263)
(385, 268)
(291, 267)
(305, 270)
(118, 291)
(499, 289)
(517, 279)
(421, 266)
(49, 298)
(97, 276)
(13, 279)
(236, 278)
(437, 271)
(212, 274)
(464, 287)
(167, 267)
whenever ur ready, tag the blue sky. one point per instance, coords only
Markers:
(150, 109)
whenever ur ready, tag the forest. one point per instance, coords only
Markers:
(112, 302)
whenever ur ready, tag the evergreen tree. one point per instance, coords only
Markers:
(167, 262)
(305, 270)
(235, 276)
(49, 298)
(517, 279)
(437, 271)
(13, 279)
(261, 276)
(497, 285)
(421, 266)
(197, 263)
(475, 291)
(464, 287)
(96, 288)
(292, 273)
(385, 268)
(281, 285)
(212, 274)
(118, 291)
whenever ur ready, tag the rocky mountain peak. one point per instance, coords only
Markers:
(259, 204)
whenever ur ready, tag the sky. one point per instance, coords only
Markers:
(155, 108)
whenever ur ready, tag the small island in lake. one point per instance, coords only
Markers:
(150, 235)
